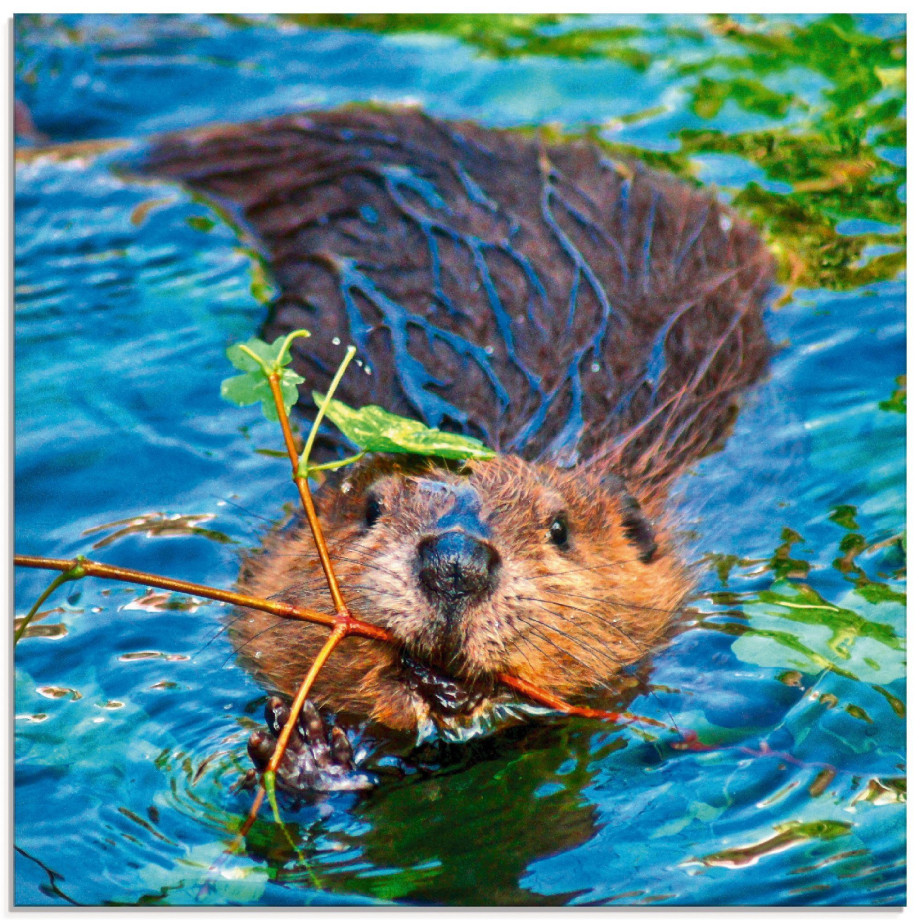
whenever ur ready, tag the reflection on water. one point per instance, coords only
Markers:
(786, 781)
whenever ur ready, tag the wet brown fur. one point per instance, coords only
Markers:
(583, 316)
(565, 620)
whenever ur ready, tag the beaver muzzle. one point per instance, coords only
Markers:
(457, 564)
(456, 568)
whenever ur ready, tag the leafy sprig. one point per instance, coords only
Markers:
(259, 360)
(371, 428)
(375, 429)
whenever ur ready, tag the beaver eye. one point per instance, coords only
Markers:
(559, 531)
(372, 510)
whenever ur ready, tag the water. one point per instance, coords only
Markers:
(131, 714)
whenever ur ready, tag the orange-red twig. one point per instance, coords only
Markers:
(343, 622)
(348, 625)
(337, 634)
(117, 573)
(526, 688)
(306, 499)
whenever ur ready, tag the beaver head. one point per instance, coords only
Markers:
(496, 567)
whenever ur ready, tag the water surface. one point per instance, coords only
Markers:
(131, 713)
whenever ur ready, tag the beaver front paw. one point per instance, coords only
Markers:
(316, 760)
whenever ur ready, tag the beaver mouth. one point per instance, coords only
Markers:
(448, 696)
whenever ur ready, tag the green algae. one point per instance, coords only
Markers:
(829, 150)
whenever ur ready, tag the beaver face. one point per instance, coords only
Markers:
(503, 567)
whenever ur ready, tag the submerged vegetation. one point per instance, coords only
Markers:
(825, 102)
(811, 111)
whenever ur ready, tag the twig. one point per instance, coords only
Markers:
(279, 608)
(306, 499)
(63, 578)
(526, 688)
(268, 777)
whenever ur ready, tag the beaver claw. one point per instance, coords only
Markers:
(315, 760)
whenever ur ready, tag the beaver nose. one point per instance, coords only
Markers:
(455, 566)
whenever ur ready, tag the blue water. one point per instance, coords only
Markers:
(131, 713)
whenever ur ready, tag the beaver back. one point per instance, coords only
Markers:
(555, 302)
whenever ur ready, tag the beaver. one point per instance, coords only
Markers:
(592, 320)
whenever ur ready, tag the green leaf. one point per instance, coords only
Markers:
(253, 387)
(259, 359)
(375, 429)
(244, 362)
(275, 355)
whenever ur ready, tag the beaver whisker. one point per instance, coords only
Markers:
(309, 558)
(640, 647)
(615, 602)
(358, 550)
(607, 621)
(361, 592)
(359, 587)
(538, 626)
(320, 587)
(598, 637)
(244, 509)
(600, 653)
(369, 565)
(542, 652)
(543, 602)
(225, 627)
(356, 591)
(253, 638)
(528, 640)
(579, 570)
(347, 558)
(288, 595)
(306, 557)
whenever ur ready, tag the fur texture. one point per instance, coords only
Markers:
(593, 321)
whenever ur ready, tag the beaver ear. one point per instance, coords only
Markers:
(637, 526)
